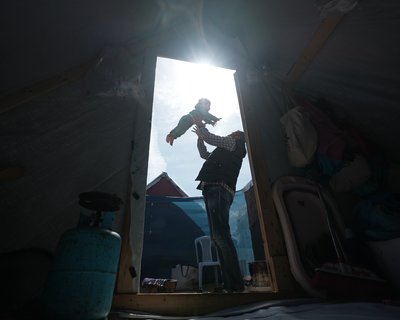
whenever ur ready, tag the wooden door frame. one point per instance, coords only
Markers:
(198, 303)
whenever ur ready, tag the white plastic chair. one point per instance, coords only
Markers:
(207, 256)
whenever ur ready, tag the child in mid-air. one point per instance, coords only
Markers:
(200, 113)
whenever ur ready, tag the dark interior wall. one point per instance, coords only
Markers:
(272, 33)
(43, 39)
(356, 71)
(76, 139)
(265, 104)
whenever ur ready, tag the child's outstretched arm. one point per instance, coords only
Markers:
(211, 119)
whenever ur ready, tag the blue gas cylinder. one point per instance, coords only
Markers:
(80, 285)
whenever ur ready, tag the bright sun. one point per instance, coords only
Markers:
(205, 81)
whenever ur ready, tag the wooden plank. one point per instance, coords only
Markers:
(11, 101)
(191, 304)
(325, 29)
(250, 102)
(124, 279)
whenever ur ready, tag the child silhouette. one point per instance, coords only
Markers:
(199, 113)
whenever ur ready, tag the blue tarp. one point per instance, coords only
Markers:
(172, 224)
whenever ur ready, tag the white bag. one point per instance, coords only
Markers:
(302, 138)
(186, 276)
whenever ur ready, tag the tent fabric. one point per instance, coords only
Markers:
(67, 144)
(362, 87)
(172, 224)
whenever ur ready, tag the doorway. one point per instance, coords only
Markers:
(178, 87)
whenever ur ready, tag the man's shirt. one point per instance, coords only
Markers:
(227, 143)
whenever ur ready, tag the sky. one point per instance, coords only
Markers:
(178, 87)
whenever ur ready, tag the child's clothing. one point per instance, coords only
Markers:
(187, 121)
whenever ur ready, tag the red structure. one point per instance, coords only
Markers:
(163, 185)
